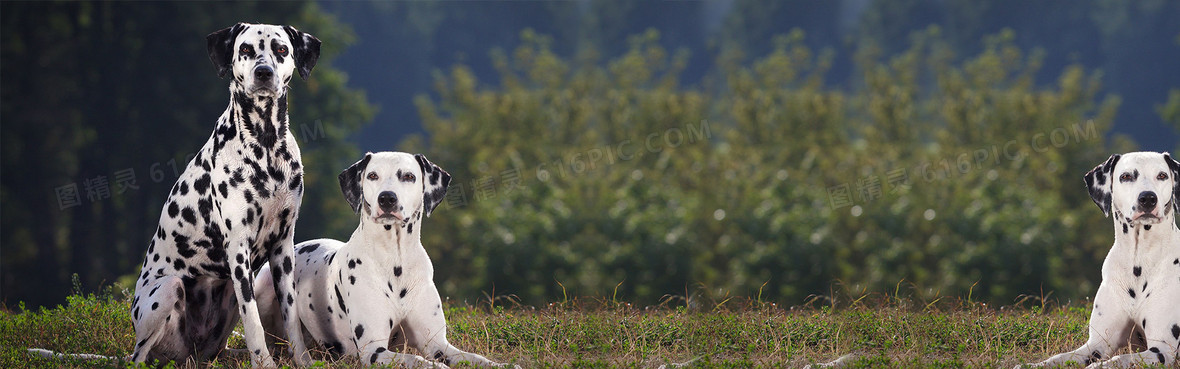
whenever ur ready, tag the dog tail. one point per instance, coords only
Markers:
(55, 355)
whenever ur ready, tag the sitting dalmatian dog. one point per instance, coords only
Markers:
(1138, 302)
(363, 297)
(232, 209)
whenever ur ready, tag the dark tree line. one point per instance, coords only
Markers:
(1134, 44)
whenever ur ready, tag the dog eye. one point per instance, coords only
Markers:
(282, 50)
(372, 176)
(408, 177)
(246, 49)
(1125, 177)
(1162, 176)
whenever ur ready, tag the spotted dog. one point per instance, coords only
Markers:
(233, 209)
(1137, 301)
(363, 297)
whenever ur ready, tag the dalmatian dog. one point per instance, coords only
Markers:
(364, 297)
(1137, 301)
(233, 209)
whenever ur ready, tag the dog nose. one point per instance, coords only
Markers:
(263, 73)
(386, 200)
(1147, 200)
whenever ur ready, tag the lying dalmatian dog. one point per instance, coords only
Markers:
(232, 209)
(363, 297)
(1138, 302)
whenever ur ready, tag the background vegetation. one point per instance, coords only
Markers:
(605, 159)
(943, 173)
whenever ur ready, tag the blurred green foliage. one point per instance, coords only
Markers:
(934, 174)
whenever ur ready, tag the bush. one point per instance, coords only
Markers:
(931, 173)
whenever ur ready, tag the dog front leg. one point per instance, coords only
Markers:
(243, 281)
(375, 353)
(282, 274)
(268, 307)
(1163, 355)
(1161, 335)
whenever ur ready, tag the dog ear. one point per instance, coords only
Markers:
(350, 183)
(1099, 181)
(1175, 166)
(221, 47)
(306, 49)
(434, 183)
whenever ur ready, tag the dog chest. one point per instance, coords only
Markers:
(265, 174)
(380, 278)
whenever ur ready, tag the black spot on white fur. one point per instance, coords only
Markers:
(1159, 355)
(434, 184)
(1099, 186)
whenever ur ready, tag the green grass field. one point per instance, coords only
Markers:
(592, 333)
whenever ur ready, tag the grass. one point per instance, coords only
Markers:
(594, 333)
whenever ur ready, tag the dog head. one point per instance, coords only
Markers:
(394, 187)
(1138, 187)
(263, 57)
